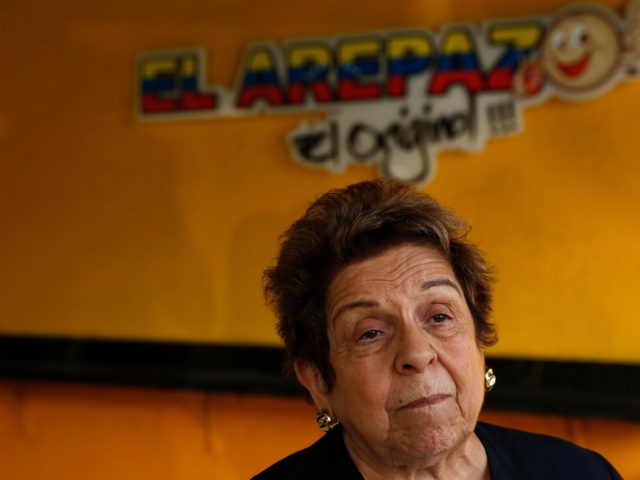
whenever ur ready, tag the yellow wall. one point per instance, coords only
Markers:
(116, 228)
(52, 432)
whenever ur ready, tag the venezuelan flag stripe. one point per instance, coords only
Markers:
(168, 83)
(408, 66)
(354, 70)
(513, 58)
(458, 62)
(260, 78)
(308, 74)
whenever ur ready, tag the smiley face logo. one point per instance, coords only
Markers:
(582, 50)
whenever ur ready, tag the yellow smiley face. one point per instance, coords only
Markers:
(581, 50)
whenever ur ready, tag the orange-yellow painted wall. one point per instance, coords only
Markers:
(51, 432)
(118, 228)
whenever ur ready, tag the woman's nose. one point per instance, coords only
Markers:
(414, 350)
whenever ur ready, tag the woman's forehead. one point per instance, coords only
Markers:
(395, 264)
(402, 267)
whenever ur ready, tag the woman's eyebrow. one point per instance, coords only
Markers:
(440, 282)
(355, 304)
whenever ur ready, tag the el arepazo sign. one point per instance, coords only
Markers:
(396, 98)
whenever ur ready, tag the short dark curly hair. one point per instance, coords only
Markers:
(346, 225)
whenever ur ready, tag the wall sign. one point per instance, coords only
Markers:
(397, 98)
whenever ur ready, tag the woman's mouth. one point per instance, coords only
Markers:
(426, 401)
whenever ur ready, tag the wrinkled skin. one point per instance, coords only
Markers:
(409, 370)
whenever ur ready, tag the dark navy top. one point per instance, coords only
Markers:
(512, 454)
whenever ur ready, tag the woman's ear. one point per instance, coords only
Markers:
(309, 376)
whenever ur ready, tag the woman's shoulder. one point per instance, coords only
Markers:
(532, 455)
(326, 458)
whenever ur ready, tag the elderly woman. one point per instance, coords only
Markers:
(383, 307)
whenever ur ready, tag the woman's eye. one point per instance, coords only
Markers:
(370, 334)
(439, 318)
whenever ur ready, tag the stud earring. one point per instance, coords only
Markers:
(489, 379)
(326, 422)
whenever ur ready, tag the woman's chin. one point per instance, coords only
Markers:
(428, 436)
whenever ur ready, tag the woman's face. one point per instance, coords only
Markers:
(409, 370)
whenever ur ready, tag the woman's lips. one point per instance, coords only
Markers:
(426, 401)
